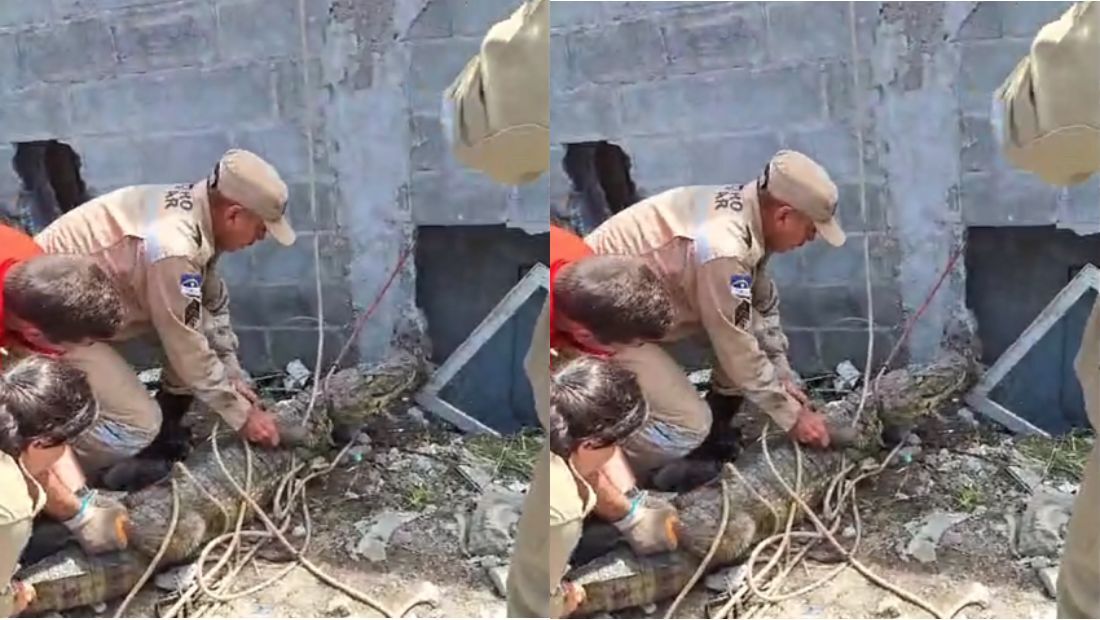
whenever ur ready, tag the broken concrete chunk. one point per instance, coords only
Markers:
(493, 524)
(1049, 577)
(1043, 526)
(927, 533)
(847, 375)
(150, 376)
(727, 580)
(176, 579)
(499, 576)
(296, 375)
(338, 607)
(374, 534)
(888, 607)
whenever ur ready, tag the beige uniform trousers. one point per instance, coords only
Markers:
(1079, 575)
(679, 419)
(17, 511)
(528, 576)
(129, 418)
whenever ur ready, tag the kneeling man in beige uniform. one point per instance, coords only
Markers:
(711, 245)
(160, 243)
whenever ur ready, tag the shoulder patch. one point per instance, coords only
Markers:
(191, 286)
(741, 287)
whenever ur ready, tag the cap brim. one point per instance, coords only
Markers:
(831, 232)
(282, 232)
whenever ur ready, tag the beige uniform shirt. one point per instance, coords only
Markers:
(18, 508)
(571, 500)
(157, 243)
(707, 244)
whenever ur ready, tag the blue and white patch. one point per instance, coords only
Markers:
(741, 287)
(191, 286)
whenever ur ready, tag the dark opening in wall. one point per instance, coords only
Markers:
(462, 272)
(1012, 274)
(600, 174)
(50, 172)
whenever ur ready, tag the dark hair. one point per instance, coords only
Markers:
(69, 298)
(593, 399)
(43, 399)
(618, 298)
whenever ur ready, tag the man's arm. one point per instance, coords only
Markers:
(217, 324)
(768, 328)
(176, 312)
(726, 307)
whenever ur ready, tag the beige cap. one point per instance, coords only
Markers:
(248, 180)
(799, 181)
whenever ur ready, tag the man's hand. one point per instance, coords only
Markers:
(246, 390)
(796, 392)
(24, 594)
(102, 525)
(260, 428)
(573, 595)
(811, 429)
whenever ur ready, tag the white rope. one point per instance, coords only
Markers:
(857, 96)
(307, 100)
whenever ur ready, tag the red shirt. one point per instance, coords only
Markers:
(565, 248)
(15, 247)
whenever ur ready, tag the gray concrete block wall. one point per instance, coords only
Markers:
(705, 92)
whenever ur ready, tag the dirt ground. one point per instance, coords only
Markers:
(416, 468)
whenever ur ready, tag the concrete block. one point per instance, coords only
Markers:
(187, 99)
(834, 147)
(983, 22)
(983, 66)
(840, 345)
(839, 96)
(978, 144)
(849, 212)
(253, 351)
(160, 37)
(845, 307)
(35, 114)
(433, 22)
(824, 264)
(796, 307)
(802, 352)
(247, 307)
(600, 56)
(283, 146)
(727, 102)
(719, 160)
(18, 13)
(181, 159)
(561, 76)
(658, 162)
(715, 38)
(110, 160)
(296, 305)
(785, 269)
(275, 264)
(327, 216)
(799, 31)
(74, 50)
(1006, 198)
(428, 145)
(253, 29)
(289, 82)
(11, 75)
(567, 15)
(70, 8)
(236, 269)
(336, 257)
(1026, 19)
(455, 197)
(585, 114)
(301, 344)
(620, 9)
(475, 18)
(433, 65)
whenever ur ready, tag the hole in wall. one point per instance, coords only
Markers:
(50, 174)
(601, 183)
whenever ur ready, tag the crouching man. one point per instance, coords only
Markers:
(49, 304)
(44, 404)
(160, 245)
(710, 245)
